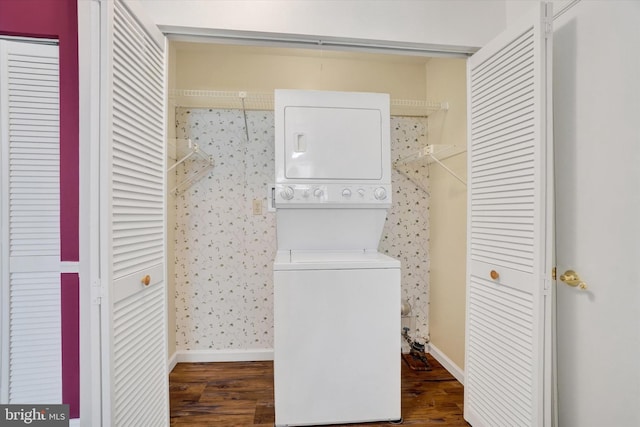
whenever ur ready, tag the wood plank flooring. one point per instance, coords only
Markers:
(240, 394)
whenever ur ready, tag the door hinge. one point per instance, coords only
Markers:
(548, 20)
(548, 29)
(96, 292)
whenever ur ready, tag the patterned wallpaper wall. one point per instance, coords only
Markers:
(224, 253)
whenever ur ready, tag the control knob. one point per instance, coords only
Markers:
(380, 193)
(346, 193)
(317, 192)
(286, 193)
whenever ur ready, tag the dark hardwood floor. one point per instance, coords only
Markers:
(241, 394)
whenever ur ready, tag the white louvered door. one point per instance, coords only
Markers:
(135, 379)
(30, 218)
(508, 351)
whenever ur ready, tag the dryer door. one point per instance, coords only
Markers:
(333, 143)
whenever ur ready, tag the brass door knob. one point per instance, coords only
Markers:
(146, 280)
(571, 278)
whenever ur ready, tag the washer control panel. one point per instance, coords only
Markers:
(331, 194)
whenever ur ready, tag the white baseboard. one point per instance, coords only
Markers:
(173, 360)
(220, 356)
(194, 356)
(447, 363)
(74, 422)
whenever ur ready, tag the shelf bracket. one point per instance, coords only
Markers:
(204, 164)
(427, 152)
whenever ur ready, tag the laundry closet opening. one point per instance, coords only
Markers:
(220, 232)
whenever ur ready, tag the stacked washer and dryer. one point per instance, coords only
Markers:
(336, 299)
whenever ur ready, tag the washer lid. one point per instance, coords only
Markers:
(332, 260)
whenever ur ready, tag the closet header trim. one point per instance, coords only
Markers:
(258, 38)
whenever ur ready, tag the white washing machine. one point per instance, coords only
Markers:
(336, 299)
(337, 347)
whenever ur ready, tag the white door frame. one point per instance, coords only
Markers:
(89, 187)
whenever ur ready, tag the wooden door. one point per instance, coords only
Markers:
(30, 270)
(508, 354)
(598, 206)
(134, 331)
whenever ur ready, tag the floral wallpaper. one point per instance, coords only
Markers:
(406, 232)
(224, 252)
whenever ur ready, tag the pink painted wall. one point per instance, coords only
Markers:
(58, 19)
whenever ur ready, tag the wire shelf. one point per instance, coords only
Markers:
(264, 101)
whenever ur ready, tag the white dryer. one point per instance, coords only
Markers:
(336, 299)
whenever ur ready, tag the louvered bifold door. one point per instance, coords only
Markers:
(134, 195)
(506, 369)
(30, 256)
